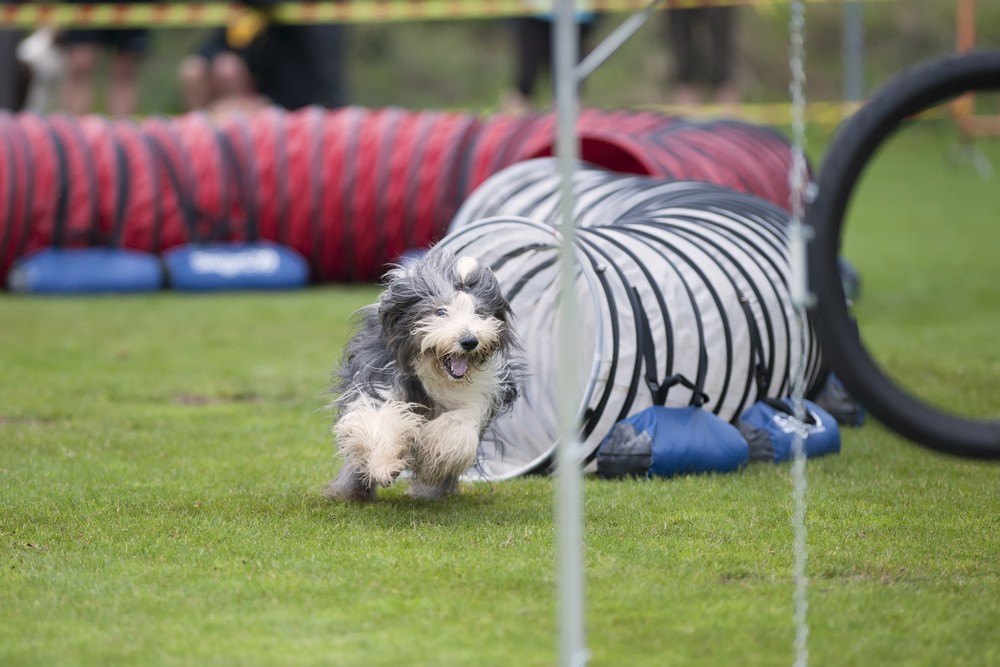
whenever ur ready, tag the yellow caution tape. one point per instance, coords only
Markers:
(191, 14)
(768, 113)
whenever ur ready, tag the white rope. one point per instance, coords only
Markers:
(800, 300)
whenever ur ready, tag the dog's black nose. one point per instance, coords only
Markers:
(468, 342)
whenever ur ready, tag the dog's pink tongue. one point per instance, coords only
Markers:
(459, 365)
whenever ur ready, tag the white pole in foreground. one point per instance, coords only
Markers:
(798, 237)
(569, 488)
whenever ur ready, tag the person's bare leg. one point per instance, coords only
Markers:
(231, 77)
(727, 97)
(77, 93)
(686, 94)
(514, 102)
(123, 84)
(233, 86)
(721, 28)
(196, 84)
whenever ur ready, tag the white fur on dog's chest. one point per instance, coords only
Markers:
(478, 392)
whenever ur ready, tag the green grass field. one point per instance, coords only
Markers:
(162, 457)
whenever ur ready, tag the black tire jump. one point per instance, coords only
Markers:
(919, 88)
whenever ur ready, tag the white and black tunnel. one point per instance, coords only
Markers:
(683, 299)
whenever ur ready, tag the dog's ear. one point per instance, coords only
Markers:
(465, 268)
(397, 298)
(470, 275)
(480, 281)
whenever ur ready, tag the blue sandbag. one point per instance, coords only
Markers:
(770, 428)
(86, 271)
(835, 399)
(235, 266)
(206, 265)
(665, 442)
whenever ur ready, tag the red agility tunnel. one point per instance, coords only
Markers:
(350, 189)
(747, 158)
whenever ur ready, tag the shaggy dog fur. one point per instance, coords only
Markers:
(430, 367)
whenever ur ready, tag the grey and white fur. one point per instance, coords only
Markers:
(432, 364)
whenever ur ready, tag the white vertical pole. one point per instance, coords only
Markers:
(852, 50)
(798, 236)
(569, 487)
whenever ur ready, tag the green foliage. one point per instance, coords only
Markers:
(162, 457)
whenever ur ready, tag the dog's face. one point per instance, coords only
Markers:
(445, 315)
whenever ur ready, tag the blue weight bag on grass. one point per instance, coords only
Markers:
(835, 399)
(770, 427)
(259, 265)
(665, 442)
(86, 271)
(210, 264)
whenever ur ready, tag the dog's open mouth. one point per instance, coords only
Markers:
(457, 366)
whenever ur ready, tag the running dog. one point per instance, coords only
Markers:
(432, 364)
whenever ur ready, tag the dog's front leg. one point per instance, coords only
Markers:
(375, 441)
(446, 449)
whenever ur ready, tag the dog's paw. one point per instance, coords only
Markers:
(350, 485)
(384, 470)
(423, 491)
(349, 495)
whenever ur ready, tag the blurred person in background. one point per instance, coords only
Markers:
(533, 51)
(254, 62)
(82, 49)
(701, 42)
(42, 67)
(217, 75)
(15, 75)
